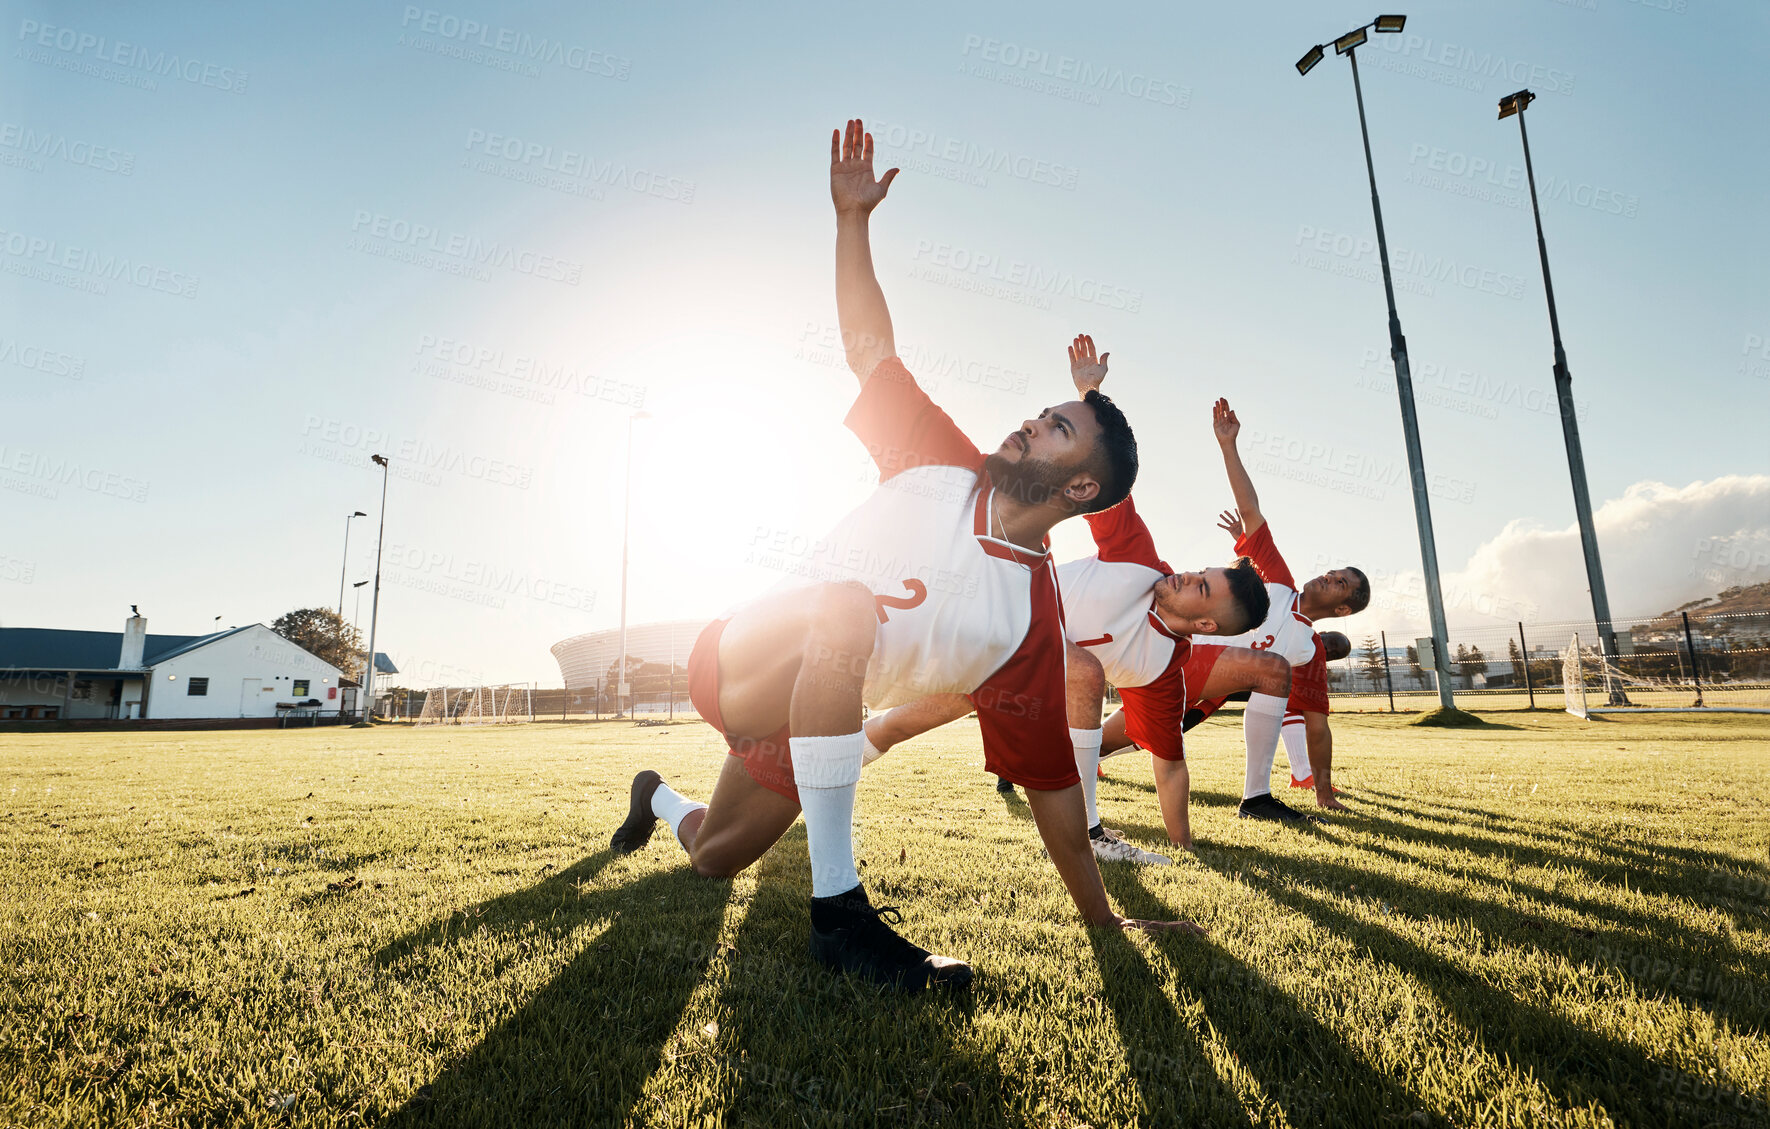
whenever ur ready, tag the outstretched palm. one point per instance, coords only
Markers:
(1086, 369)
(1224, 423)
(852, 186)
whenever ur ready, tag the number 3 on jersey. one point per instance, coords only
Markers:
(917, 593)
(1262, 646)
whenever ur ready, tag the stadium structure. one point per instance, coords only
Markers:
(657, 664)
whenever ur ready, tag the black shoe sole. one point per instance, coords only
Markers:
(828, 951)
(635, 833)
(1294, 818)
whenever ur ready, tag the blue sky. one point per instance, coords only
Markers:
(246, 247)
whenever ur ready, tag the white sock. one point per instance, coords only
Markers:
(1296, 748)
(673, 807)
(868, 754)
(826, 769)
(1260, 723)
(1087, 747)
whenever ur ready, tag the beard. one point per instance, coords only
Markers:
(1032, 481)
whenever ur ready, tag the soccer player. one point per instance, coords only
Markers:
(940, 582)
(1307, 737)
(1289, 629)
(1134, 613)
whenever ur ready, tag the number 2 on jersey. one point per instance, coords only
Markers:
(917, 593)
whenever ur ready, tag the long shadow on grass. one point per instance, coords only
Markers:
(804, 1045)
(579, 1050)
(1302, 1066)
(1572, 1062)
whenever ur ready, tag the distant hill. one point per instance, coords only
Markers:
(1743, 598)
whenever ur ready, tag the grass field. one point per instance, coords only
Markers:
(1542, 922)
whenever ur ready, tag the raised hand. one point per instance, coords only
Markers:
(1087, 370)
(1224, 423)
(1230, 522)
(852, 186)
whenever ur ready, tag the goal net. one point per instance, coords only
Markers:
(506, 704)
(1573, 679)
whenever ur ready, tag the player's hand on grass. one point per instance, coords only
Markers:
(1327, 800)
(852, 186)
(1127, 923)
(1230, 520)
(1224, 423)
(1087, 370)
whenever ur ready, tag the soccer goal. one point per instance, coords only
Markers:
(506, 704)
(1639, 693)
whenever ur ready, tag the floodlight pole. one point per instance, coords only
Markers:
(626, 529)
(345, 567)
(1404, 387)
(375, 602)
(1576, 460)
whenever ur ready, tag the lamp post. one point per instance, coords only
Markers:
(621, 687)
(343, 568)
(1404, 385)
(1515, 105)
(375, 601)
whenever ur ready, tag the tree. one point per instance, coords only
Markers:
(1413, 665)
(1374, 662)
(1517, 657)
(320, 633)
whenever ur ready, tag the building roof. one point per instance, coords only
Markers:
(49, 648)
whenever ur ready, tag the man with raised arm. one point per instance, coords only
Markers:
(1289, 629)
(940, 582)
(1134, 614)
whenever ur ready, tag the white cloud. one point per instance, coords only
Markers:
(1662, 546)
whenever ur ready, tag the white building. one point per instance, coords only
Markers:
(244, 672)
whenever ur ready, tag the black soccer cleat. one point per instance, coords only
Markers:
(1264, 806)
(850, 935)
(636, 832)
(1004, 785)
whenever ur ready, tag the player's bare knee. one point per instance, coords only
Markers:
(1085, 683)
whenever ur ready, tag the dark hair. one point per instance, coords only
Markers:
(1250, 596)
(1115, 453)
(1335, 645)
(1361, 595)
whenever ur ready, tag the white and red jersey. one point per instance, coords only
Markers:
(961, 609)
(1109, 608)
(1286, 631)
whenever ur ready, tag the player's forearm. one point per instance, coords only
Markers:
(1062, 822)
(1321, 752)
(1173, 788)
(860, 303)
(1242, 486)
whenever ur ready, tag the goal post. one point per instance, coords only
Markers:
(1573, 680)
(506, 703)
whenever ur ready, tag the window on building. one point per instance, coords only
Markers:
(300, 690)
(197, 688)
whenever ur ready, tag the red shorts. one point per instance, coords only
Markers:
(1155, 714)
(768, 760)
(1309, 689)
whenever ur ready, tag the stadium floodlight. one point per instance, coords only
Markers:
(1515, 104)
(1404, 385)
(621, 686)
(375, 602)
(1307, 62)
(346, 565)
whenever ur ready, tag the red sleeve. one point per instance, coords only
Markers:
(1309, 688)
(1120, 535)
(904, 429)
(1258, 546)
(1023, 707)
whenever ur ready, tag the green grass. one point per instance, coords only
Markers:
(1534, 922)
